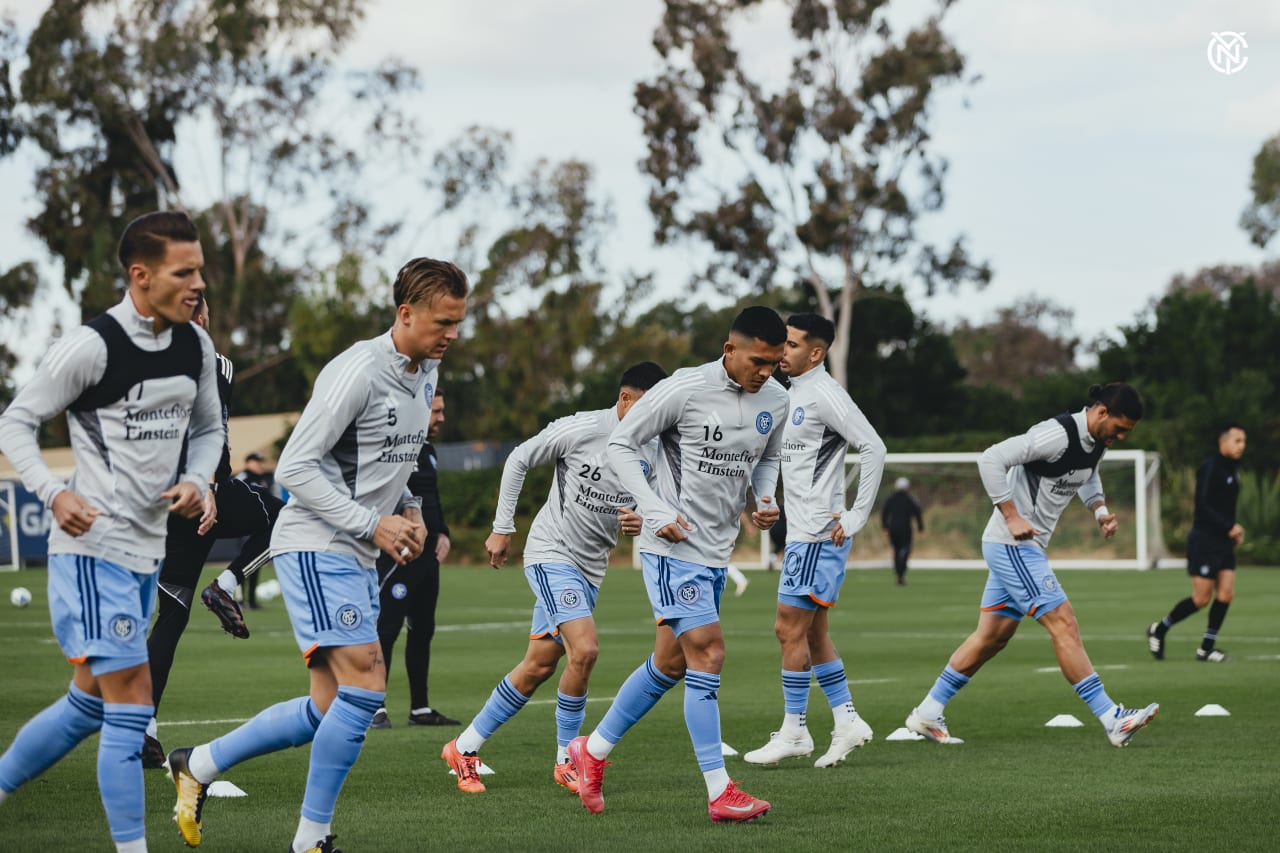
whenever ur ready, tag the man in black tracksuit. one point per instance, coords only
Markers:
(1211, 544)
(408, 593)
(899, 509)
(233, 509)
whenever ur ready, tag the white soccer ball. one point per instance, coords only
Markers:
(20, 597)
(269, 590)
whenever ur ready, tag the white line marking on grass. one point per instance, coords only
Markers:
(482, 626)
(236, 721)
(1104, 666)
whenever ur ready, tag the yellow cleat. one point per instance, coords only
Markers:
(191, 794)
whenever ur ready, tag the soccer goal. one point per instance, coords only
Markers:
(8, 527)
(956, 510)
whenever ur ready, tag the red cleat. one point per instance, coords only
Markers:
(735, 806)
(590, 774)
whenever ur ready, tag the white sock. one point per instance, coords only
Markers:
(138, 845)
(200, 763)
(152, 727)
(227, 580)
(736, 575)
(930, 708)
(793, 724)
(598, 746)
(717, 780)
(425, 710)
(562, 754)
(470, 740)
(844, 713)
(309, 832)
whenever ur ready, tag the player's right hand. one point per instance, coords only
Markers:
(673, 532)
(497, 545)
(73, 514)
(399, 538)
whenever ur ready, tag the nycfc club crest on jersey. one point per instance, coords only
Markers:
(764, 423)
(797, 417)
(348, 617)
(429, 393)
(644, 467)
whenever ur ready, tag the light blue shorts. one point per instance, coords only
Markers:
(812, 573)
(100, 611)
(684, 595)
(1021, 582)
(562, 594)
(331, 598)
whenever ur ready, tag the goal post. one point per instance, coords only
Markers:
(956, 510)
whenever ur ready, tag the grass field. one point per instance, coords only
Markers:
(1185, 783)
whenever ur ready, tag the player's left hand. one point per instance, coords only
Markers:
(837, 535)
(1109, 525)
(766, 514)
(210, 516)
(630, 521)
(442, 547)
(185, 498)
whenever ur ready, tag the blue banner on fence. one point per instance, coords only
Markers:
(31, 521)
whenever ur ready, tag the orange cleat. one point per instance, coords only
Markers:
(466, 766)
(735, 806)
(565, 774)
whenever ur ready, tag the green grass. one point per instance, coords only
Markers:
(1186, 782)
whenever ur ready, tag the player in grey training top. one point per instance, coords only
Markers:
(720, 426)
(133, 381)
(565, 558)
(1031, 478)
(346, 467)
(824, 421)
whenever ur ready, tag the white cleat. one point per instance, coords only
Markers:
(780, 746)
(1125, 723)
(935, 729)
(844, 740)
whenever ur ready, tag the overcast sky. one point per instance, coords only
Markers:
(1099, 155)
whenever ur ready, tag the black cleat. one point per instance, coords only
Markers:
(225, 608)
(380, 720)
(1155, 641)
(431, 718)
(325, 846)
(153, 754)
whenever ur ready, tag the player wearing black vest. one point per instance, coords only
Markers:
(233, 509)
(1211, 544)
(409, 593)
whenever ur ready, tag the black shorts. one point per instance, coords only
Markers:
(1207, 554)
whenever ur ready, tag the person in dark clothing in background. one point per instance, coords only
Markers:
(255, 473)
(1211, 544)
(409, 593)
(895, 518)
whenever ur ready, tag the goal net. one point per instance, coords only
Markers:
(956, 510)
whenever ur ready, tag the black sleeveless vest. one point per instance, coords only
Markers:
(128, 364)
(1075, 459)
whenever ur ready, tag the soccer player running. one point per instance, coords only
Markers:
(720, 426)
(135, 382)
(345, 465)
(565, 558)
(824, 422)
(1211, 544)
(1031, 478)
(232, 509)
